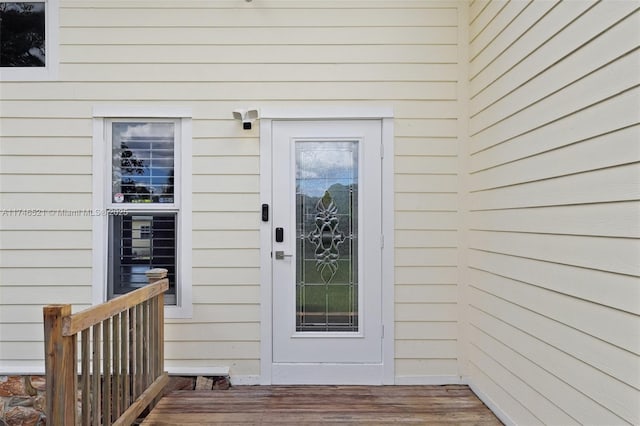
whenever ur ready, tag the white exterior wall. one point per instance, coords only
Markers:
(552, 284)
(214, 57)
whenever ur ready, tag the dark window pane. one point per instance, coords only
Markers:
(22, 34)
(139, 242)
(143, 162)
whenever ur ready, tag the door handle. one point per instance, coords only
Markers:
(280, 255)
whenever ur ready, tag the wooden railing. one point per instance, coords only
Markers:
(121, 357)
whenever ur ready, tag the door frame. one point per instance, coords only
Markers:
(385, 115)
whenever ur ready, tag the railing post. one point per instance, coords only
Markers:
(157, 321)
(60, 364)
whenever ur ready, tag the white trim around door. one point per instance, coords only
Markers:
(327, 373)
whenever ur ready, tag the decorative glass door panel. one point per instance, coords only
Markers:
(326, 248)
(326, 236)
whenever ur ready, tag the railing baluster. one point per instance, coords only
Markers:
(106, 369)
(139, 334)
(132, 355)
(85, 415)
(124, 358)
(115, 390)
(145, 344)
(96, 388)
(153, 338)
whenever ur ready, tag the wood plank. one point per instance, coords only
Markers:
(426, 164)
(603, 83)
(71, 201)
(622, 292)
(429, 128)
(576, 127)
(85, 418)
(225, 165)
(132, 413)
(234, 184)
(608, 150)
(513, 31)
(618, 255)
(499, 23)
(226, 257)
(572, 385)
(426, 293)
(500, 396)
(226, 72)
(426, 202)
(205, 276)
(220, 202)
(541, 32)
(426, 183)
(426, 256)
(426, 220)
(256, 17)
(603, 220)
(212, 350)
(425, 312)
(45, 239)
(39, 219)
(57, 184)
(256, 36)
(60, 364)
(415, 330)
(323, 404)
(426, 275)
(44, 294)
(485, 18)
(96, 392)
(239, 91)
(45, 127)
(426, 349)
(426, 146)
(590, 318)
(226, 239)
(227, 294)
(542, 404)
(612, 44)
(106, 372)
(557, 47)
(40, 164)
(620, 364)
(599, 186)
(405, 368)
(421, 238)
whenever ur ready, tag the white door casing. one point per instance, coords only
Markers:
(296, 351)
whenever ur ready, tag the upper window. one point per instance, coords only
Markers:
(28, 46)
(143, 162)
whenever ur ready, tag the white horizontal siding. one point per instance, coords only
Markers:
(214, 57)
(554, 188)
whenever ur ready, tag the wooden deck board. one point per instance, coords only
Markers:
(308, 405)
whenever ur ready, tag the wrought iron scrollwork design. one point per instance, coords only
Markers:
(326, 237)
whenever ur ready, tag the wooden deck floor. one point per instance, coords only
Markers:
(308, 405)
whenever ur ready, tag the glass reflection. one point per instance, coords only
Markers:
(143, 162)
(327, 236)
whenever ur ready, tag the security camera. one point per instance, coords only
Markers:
(248, 116)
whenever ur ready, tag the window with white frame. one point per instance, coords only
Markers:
(28, 35)
(145, 198)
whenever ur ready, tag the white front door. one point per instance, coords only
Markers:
(326, 251)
